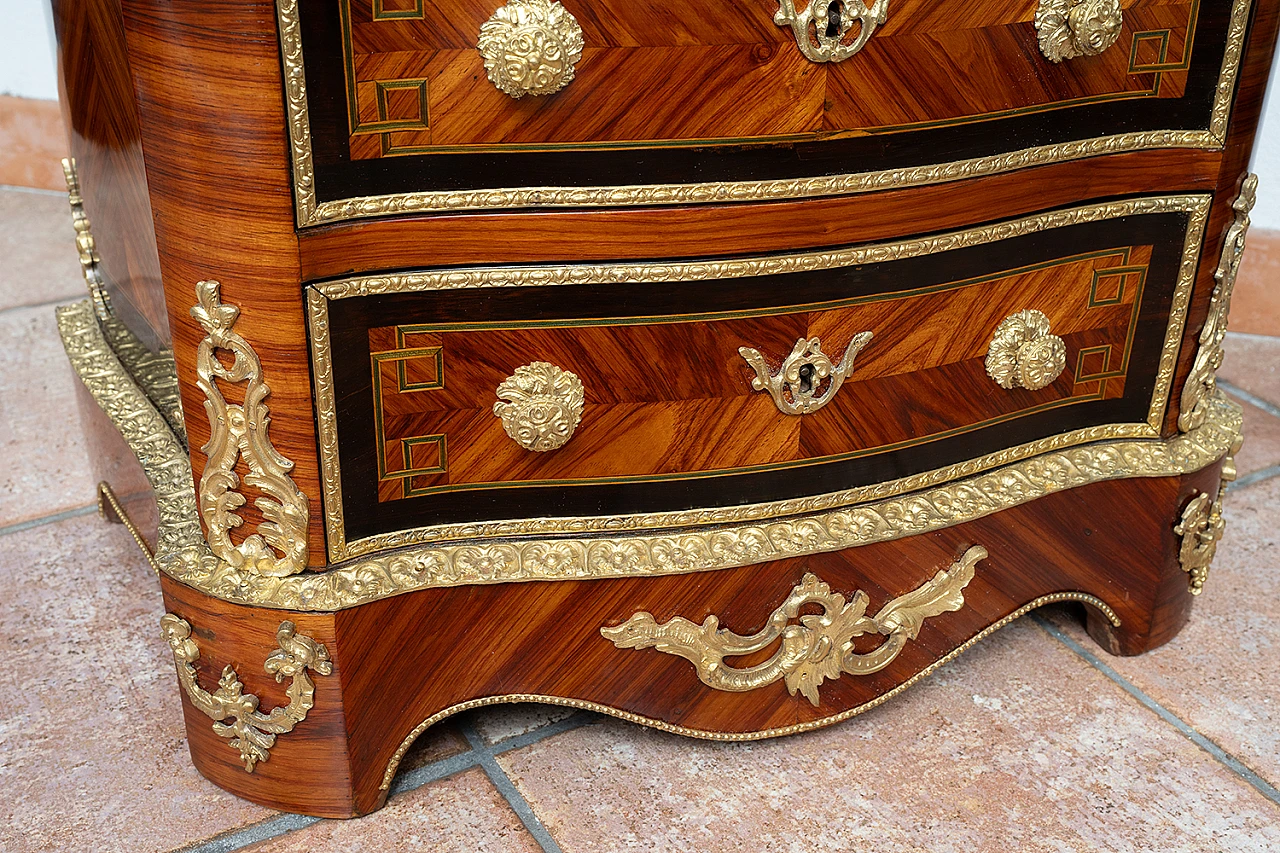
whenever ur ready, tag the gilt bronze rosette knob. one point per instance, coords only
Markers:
(530, 47)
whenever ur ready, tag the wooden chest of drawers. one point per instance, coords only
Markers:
(727, 370)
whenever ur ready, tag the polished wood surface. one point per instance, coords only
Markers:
(402, 660)
(727, 72)
(668, 396)
(217, 164)
(178, 119)
(101, 115)
(406, 242)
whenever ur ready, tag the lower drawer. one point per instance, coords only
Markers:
(599, 392)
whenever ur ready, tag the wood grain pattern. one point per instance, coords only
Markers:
(101, 116)
(213, 129)
(676, 397)
(401, 660)
(728, 72)
(407, 242)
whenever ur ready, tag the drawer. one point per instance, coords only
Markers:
(566, 394)
(393, 109)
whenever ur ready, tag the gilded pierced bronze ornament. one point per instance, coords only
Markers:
(1202, 525)
(540, 406)
(808, 379)
(1071, 28)
(240, 432)
(1202, 380)
(819, 648)
(250, 731)
(831, 30)
(530, 47)
(1024, 353)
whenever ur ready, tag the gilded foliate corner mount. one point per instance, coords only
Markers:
(250, 731)
(1201, 382)
(819, 648)
(280, 547)
(831, 30)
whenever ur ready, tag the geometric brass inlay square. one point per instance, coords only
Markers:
(397, 10)
(1094, 363)
(416, 370)
(402, 102)
(1109, 285)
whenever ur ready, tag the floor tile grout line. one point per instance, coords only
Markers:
(1253, 477)
(568, 724)
(507, 789)
(1262, 786)
(51, 303)
(65, 514)
(14, 188)
(283, 824)
(1253, 336)
(1249, 397)
(265, 830)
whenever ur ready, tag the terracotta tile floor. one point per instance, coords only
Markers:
(1035, 740)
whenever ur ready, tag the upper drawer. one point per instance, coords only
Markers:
(448, 401)
(393, 109)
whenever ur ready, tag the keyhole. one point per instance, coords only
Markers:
(833, 18)
(806, 379)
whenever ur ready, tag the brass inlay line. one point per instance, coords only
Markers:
(339, 547)
(739, 737)
(310, 211)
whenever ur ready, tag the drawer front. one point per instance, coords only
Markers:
(647, 391)
(393, 109)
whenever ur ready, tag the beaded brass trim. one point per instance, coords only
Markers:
(819, 648)
(739, 737)
(312, 212)
(251, 732)
(339, 548)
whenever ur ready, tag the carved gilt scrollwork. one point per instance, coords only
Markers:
(1202, 525)
(530, 47)
(1071, 28)
(820, 647)
(540, 406)
(808, 379)
(832, 30)
(1202, 380)
(241, 432)
(1024, 353)
(250, 731)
